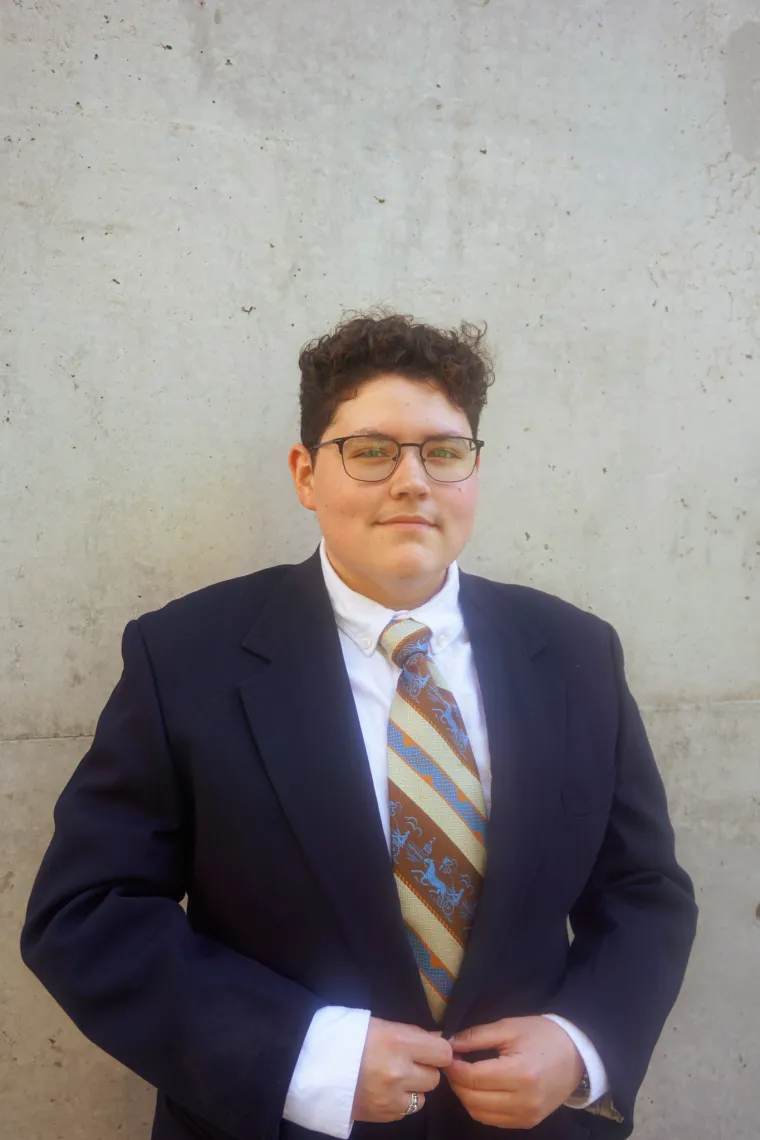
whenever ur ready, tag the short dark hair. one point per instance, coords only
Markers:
(334, 365)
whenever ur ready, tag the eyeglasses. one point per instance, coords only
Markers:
(372, 458)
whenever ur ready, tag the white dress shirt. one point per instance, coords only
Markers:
(323, 1085)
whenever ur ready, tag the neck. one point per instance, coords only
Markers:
(395, 593)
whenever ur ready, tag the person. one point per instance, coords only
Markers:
(428, 868)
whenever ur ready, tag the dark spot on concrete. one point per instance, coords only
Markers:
(6, 883)
(757, 912)
(380, 200)
(166, 47)
(218, 16)
(743, 89)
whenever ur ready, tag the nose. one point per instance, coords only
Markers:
(410, 475)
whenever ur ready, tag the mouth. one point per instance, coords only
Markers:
(409, 524)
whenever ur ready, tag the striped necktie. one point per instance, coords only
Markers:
(438, 813)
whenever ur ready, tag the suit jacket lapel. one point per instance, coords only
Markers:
(303, 717)
(524, 702)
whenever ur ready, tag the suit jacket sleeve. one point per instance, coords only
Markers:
(106, 935)
(634, 922)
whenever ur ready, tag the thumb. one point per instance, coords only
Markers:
(496, 1035)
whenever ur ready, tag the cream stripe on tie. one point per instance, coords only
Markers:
(413, 724)
(438, 814)
(434, 934)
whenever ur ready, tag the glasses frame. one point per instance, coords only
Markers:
(475, 444)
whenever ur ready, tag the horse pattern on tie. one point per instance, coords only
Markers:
(437, 810)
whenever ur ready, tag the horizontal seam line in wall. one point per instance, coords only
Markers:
(146, 120)
(698, 705)
(644, 708)
(37, 739)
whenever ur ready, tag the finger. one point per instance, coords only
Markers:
(421, 1078)
(429, 1049)
(498, 1104)
(500, 1119)
(405, 1103)
(498, 1075)
(495, 1109)
(495, 1035)
(490, 1101)
(420, 1045)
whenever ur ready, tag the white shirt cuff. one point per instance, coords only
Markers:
(597, 1075)
(323, 1085)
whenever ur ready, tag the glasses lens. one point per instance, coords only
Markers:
(449, 460)
(369, 457)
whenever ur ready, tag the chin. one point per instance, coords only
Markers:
(411, 563)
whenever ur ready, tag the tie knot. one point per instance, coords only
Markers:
(403, 639)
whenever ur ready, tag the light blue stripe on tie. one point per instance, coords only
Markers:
(424, 766)
(436, 975)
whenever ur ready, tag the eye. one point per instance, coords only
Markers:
(446, 449)
(369, 447)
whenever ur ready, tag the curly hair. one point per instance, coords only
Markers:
(333, 366)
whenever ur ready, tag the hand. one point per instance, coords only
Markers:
(537, 1070)
(397, 1061)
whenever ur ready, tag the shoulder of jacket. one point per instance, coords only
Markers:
(547, 609)
(239, 596)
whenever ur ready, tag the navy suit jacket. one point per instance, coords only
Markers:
(228, 766)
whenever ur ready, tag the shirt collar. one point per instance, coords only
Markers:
(363, 620)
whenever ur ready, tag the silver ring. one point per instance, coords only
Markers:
(414, 1106)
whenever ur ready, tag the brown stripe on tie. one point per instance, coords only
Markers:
(412, 857)
(427, 707)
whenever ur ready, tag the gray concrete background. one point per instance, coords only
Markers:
(189, 190)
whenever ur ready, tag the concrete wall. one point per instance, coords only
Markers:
(192, 188)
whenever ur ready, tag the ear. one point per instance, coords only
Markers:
(302, 471)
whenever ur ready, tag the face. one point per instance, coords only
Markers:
(391, 540)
